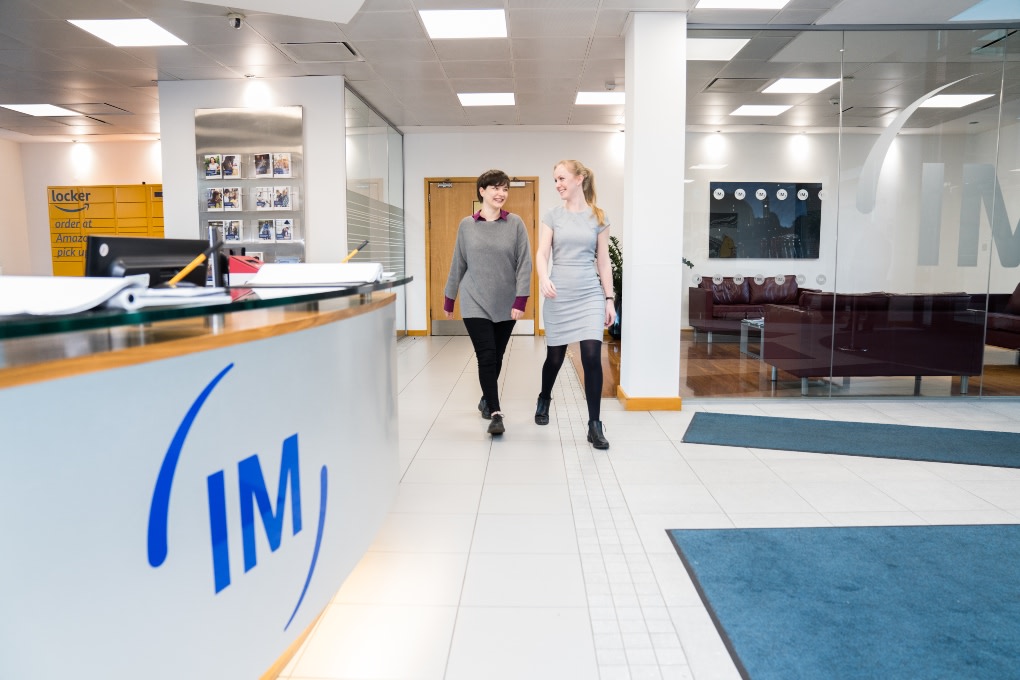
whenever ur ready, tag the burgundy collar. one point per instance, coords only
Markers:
(478, 215)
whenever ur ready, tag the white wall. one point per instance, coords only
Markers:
(525, 153)
(325, 180)
(14, 248)
(59, 164)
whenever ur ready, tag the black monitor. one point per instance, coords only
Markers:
(160, 258)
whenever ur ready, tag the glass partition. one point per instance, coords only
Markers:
(375, 191)
(904, 164)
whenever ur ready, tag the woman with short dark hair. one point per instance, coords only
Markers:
(491, 270)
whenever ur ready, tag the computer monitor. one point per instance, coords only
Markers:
(160, 258)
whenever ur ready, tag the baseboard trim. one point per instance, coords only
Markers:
(418, 334)
(648, 403)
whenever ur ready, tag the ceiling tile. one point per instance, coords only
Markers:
(470, 49)
(542, 48)
(550, 23)
(495, 70)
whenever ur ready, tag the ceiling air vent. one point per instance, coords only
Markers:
(97, 109)
(320, 52)
(736, 85)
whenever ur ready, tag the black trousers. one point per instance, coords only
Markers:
(490, 339)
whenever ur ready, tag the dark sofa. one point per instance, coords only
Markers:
(875, 334)
(722, 306)
(1003, 317)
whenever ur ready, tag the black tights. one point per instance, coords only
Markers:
(591, 363)
(490, 339)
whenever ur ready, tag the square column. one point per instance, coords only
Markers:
(653, 206)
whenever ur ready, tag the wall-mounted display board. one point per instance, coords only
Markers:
(79, 211)
(249, 165)
(780, 220)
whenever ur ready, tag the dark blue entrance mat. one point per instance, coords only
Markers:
(878, 440)
(862, 602)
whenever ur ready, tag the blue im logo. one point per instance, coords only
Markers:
(253, 496)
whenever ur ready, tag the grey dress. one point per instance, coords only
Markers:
(578, 312)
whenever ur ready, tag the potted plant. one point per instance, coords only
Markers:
(616, 260)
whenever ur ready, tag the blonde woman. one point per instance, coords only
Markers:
(578, 288)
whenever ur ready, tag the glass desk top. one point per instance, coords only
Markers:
(243, 299)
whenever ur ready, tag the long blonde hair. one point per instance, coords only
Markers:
(587, 186)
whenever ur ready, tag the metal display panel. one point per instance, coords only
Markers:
(249, 165)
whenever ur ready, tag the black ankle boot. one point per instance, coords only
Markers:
(496, 424)
(595, 436)
(483, 406)
(542, 410)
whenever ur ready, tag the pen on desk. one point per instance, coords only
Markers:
(194, 263)
(355, 251)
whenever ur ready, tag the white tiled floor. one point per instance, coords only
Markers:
(533, 556)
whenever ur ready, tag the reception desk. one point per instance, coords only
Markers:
(184, 490)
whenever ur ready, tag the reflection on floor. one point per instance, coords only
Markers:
(721, 370)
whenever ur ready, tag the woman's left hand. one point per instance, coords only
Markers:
(516, 314)
(610, 313)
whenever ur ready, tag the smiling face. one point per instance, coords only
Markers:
(494, 196)
(568, 185)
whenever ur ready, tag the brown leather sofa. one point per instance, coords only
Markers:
(722, 306)
(875, 334)
(1003, 317)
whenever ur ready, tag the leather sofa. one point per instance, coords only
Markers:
(1003, 317)
(722, 306)
(875, 334)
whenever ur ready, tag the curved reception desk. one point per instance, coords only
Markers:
(184, 490)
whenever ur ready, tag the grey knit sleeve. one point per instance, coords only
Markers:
(458, 266)
(523, 260)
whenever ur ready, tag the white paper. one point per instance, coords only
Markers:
(134, 299)
(317, 273)
(46, 295)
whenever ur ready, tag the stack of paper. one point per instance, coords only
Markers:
(317, 274)
(59, 294)
(134, 299)
(49, 295)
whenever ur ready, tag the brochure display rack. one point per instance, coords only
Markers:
(249, 167)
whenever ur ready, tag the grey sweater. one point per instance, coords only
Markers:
(491, 267)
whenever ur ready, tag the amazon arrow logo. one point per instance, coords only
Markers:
(253, 497)
(72, 210)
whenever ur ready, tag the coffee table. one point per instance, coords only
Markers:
(748, 326)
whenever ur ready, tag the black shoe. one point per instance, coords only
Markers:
(595, 436)
(542, 411)
(483, 406)
(496, 426)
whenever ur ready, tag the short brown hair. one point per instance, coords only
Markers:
(491, 178)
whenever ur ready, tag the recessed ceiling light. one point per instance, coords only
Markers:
(741, 4)
(707, 166)
(714, 49)
(464, 23)
(128, 32)
(760, 110)
(40, 109)
(596, 98)
(799, 85)
(486, 98)
(953, 101)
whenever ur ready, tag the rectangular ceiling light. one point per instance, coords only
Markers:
(760, 110)
(953, 101)
(799, 85)
(486, 98)
(714, 49)
(40, 109)
(603, 98)
(128, 32)
(741, 4)
(708, 166)
(464, 23)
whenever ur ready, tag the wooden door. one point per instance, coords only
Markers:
(448, 201)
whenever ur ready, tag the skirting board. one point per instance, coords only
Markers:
(647, 403)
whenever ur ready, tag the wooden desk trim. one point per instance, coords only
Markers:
(239, 327)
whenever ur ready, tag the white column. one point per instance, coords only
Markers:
(653, 207)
